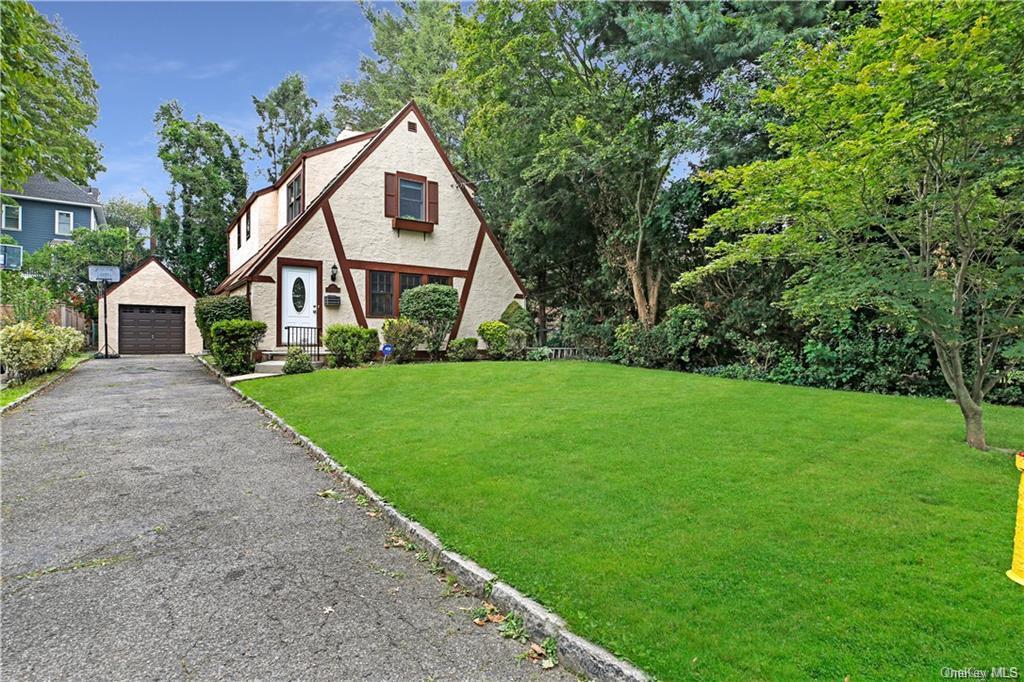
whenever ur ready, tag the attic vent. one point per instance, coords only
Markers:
(412, 126)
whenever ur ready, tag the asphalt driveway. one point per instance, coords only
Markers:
(153, 525)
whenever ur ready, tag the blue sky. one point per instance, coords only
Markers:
(211, 57)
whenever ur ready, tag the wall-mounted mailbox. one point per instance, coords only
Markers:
(332, 300)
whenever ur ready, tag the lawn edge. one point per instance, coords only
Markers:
(575, 653)
(18, 402)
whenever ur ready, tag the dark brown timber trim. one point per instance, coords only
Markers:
(477, 247)
(343, 264)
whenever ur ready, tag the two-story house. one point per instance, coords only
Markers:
(47, 210)
(351, 225)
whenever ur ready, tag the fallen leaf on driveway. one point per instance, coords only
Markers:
(328, 609)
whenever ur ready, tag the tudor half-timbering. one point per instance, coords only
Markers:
(351, 225)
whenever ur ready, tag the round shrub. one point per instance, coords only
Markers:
(25, 349)
(638, 346)
(683, 333)
(349, 344)
(435, 306)
(404, 335)
(297, 361)
(212, 309)
(516, 347)
(462, 350)
(518, 317)
(233, 343)
(495, 336)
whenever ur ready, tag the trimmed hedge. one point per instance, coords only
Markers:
(462, 350)
(495, 336)
(213, 309)
(435, 306)
(233, 343)
(350, 344)
(404, 335)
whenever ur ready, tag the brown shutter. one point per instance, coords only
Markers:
(390, 195)
(432, 202)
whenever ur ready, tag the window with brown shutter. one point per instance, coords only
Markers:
(390, 195)
(432, 202)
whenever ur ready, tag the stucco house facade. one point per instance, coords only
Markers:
(351, 225)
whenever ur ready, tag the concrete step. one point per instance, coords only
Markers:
(270, 367)
(247, 377)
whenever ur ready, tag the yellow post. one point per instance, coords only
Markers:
(1016, 572)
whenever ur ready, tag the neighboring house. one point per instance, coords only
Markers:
(349, 226)
(47, 210)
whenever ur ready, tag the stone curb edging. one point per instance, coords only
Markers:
(39, 389)
(574, 652)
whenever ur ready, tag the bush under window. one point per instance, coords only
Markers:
(435, 306)
(212, 309)
(350, 344)
(404, 335)
(233, 343)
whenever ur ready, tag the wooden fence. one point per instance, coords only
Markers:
(62, 316)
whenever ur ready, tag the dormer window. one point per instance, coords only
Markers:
(410, 199)
(294, 194)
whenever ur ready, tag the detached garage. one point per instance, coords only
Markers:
(151, 311)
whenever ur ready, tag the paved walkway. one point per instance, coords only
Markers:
(155, 526)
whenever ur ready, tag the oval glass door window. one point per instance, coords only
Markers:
(298, 295)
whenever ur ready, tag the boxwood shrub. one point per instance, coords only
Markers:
(404, 335)
(212, 309)
(495, 336)
(297, 361)
(233, 343)
(462, 350)
(350, 344)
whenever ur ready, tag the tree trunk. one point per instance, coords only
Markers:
(645, 285)
(542, 309)
(952, 372)
(975, 426)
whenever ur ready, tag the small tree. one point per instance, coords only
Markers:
(29, 299)
(435, 306)
(212, 309)
(901, 187)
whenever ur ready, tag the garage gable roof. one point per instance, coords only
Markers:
(141, 266)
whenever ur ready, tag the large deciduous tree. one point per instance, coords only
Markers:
(208, 186)
(289, 125)
(47, 100)
(900, 186)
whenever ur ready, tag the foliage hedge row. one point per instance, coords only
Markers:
(213, 309)
(349, 344)
(233, 343)
(851, 352)
(28, 349)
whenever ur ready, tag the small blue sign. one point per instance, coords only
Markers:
(387, 349)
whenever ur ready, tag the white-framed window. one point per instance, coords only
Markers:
(410, 199)
(63, 222)
(12, 217)
(248, 225)
(10, 256)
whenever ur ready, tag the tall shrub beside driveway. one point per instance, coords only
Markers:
(435, 306)
(233, 343)
(212, 309)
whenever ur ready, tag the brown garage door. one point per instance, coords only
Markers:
(150, 329)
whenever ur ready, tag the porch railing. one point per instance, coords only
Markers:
(306, 338)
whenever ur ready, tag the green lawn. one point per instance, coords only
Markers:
(703, 528)
(9, 395)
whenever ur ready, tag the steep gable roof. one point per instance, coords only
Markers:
(262, 257)
(141, 266)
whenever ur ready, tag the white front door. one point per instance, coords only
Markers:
(299, 298)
